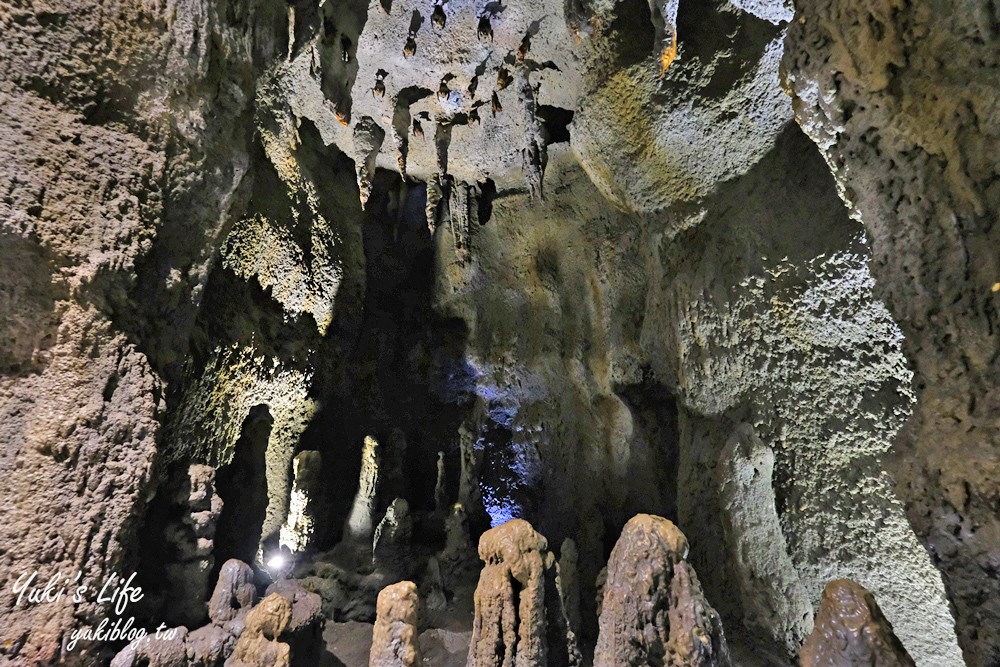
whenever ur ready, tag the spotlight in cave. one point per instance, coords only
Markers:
(242, 485)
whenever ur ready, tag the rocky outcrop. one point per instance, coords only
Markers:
(520, 620)
(653, 610)
(774, 599)
(851, 630)
(394, 639)
(899, 98)
(283, 629)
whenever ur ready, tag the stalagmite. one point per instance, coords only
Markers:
(569, 584)
(300, 526)
(390, 547)
(234, 593)
(851, 630)
(258, 646)
(654, 611)
(520, 620)
(361, 520)
(440, 492)
(394, 638)
(191, 540)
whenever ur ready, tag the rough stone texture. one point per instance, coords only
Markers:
(776, 602)
(520, 620)
(851, 630)
(184, 245)
(234, 592)
(569, 584)
(394, 639)
(901, 100)
(190, 542)
(304, 632)
(648, 141)
(299, 531)
(114, 190)
(769, 318)
(654, 611)
(391, 542)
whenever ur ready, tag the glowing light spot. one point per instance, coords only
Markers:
(276, 562)
(995, 288)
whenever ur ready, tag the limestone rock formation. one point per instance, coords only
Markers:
(851, 630)
(361, 521)
(654, 611)
(519, 616)
(234, 593)
(300, 527)
(191, 540)
(900, 100)
(391, 543)
(394, 639)
(775, 600)
(569, 584)
(564, 246)
(241, 633)
(258, 645)
(304, 631)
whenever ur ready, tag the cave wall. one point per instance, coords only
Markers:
(901, 99)
(116, 184)
(623, 286)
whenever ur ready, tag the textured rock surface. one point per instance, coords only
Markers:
(188, 277)
(776, 600)
(901, 100)
(851, 630)
(520, 620)
(113, 194)
(394, 639)
(769, 318)
(234, 592)
(654, 611)
(299, 531)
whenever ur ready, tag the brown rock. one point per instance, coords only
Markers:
(653, 610)
(258, 646)
(234, 592)
(851, 630)
(394, 639)
(520, 620)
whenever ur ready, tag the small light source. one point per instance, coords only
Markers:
(276, 562)
(995, 288)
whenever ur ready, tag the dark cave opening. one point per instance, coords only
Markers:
(401, 376)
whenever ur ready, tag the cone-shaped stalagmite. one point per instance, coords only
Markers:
(851, 630)
(653, 610)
